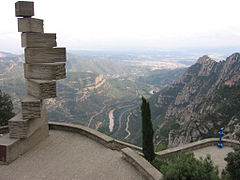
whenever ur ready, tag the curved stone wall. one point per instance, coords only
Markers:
(93, 134)
(197, 145)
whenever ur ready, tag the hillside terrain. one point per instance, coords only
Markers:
(97, 93)
(204, 99)
(106, 95)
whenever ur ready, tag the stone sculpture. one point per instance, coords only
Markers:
(44, 64)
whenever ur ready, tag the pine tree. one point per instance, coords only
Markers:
(147, 131)
(6, 108)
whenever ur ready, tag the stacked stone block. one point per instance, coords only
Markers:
(44, 64)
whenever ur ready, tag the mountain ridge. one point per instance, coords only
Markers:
(194, 98)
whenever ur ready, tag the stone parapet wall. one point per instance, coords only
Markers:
(197, 145)
(141, 164)
(90, 133)
(94, 135)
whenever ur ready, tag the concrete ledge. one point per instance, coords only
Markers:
(95, 135)
(197, 145)
(141, 164)
(91, 133)
(11, 149)
(118, 145)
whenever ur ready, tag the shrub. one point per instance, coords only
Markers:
(185, 166)
(233, 165)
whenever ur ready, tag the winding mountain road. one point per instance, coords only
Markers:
(127, 126)
(101, 111)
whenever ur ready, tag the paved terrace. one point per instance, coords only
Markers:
(66, 155)
(217, 155)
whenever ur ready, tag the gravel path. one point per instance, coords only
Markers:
(217, 155)
(65, 155)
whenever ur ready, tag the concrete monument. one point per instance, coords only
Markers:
(44, 64)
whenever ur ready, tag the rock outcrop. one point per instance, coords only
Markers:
(204, 99)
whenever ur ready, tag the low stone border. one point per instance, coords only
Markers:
(197, 145)
(118, 145)
(141, 164)
(95, 135)
(91, 133)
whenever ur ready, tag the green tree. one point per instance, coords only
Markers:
(147, 131)
(6, 108)
(185, 166)
(233, 165)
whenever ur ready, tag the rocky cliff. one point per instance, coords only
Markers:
(204, 99)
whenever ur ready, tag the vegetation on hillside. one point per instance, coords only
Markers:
(161, 77)
(6, 108)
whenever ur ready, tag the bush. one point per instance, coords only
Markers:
(233, 165)
(185, 166)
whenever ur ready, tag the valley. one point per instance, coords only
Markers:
(97, 93)
(187, 104)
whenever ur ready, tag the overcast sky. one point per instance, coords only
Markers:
(106, 24)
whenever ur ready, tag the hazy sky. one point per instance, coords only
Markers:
(102, 24)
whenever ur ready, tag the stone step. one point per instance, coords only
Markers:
(24, 9)
(41, 89)
(7, 148)
(11, 148)
(38, 40)
(45, 71)
(45, 55)
(30, 25)
(23, 128)
(31, 107)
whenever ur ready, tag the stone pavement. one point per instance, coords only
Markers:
(65, 155)
(217, 155)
